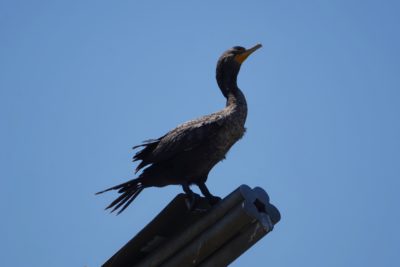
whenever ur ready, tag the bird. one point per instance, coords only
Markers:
(185, 155)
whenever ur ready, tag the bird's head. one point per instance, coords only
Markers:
(228, 67)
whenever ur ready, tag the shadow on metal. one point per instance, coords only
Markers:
(206, 236)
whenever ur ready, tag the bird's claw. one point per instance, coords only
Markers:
(191, 201)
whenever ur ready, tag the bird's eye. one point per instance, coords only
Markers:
(238, 48)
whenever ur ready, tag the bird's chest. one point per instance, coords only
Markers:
(225, 138)
(229, 135)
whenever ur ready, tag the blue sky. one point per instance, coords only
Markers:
(81, 82)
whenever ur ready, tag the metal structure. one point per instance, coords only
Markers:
(206, 236)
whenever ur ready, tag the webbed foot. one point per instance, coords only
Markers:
(213, 200)
(191, 197)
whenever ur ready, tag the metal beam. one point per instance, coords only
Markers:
(207, 236)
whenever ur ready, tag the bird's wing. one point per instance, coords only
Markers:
(183, 138)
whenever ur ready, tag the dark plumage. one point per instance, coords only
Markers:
(185, 155)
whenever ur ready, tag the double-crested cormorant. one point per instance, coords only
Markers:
(186, 154)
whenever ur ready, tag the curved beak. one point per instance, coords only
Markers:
(243, 56)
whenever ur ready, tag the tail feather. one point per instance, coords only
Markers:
(132, 198)
(116, 204)
(128, 190)
(117, 200)
(120, 186)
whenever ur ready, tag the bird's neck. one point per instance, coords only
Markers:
(236, 98)
(236, 104)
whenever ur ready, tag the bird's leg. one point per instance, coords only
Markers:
(191, 196)
(204, 190)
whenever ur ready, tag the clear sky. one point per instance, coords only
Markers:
(81, 82)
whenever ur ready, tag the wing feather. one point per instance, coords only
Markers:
(183, 138)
